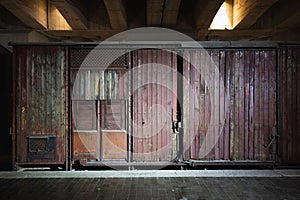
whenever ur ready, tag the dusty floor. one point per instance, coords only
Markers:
(157, 184)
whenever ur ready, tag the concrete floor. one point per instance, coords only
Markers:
(151, 184)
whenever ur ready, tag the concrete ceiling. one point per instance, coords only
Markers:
(96, 20)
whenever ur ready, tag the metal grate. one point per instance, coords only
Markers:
(41, 143)
(98, 57)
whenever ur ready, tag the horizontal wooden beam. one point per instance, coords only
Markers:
(71, 13)
(95, 35)
(117, 14)
(257, 34)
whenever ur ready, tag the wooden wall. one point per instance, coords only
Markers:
(247, 103)
(289, 104)
(247, 110)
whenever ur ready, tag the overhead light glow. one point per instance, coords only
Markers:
(223, 18)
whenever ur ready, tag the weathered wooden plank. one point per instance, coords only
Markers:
(259, 106)
(289, 99)
(150, 122)
(240, 106)
(246, 62)
(154, 102)
(192, 105)
(283, 100)
(222, 85)
(201, 100)
(236, 101)
(174, 103)
(228, 105)
(251, 104)
(186, 100)
(169, 105)
(232, 113)
(145, 107)
(159, 60)
(273, 124)
(135, 107)
(196, 62)
(265, 92)
(215, 102)
(164, 104)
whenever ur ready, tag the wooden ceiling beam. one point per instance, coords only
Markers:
(205, 11)
(170, 12)
(39, 15)
(71, 13)
(32, 13)
(154, 12)
(55, 19)
(245, 13)
(281, 16)
(117, 13)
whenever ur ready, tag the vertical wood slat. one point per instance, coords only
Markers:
(222, 107)
(191, 107)
(185, 106)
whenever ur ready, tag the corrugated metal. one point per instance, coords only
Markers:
(249, 79)
(289, 104)
(97, 84)
(40, 104)
(153, 103)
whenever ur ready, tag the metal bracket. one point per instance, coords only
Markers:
(271, 139)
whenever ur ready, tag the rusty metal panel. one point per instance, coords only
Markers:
(41, 108)
(86, 145)
(289, 106)
(247, 104)
(114, 144)
(85, 137)
(152, 96)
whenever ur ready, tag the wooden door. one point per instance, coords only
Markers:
(40, 108)
(98, 112)
(153, 89)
